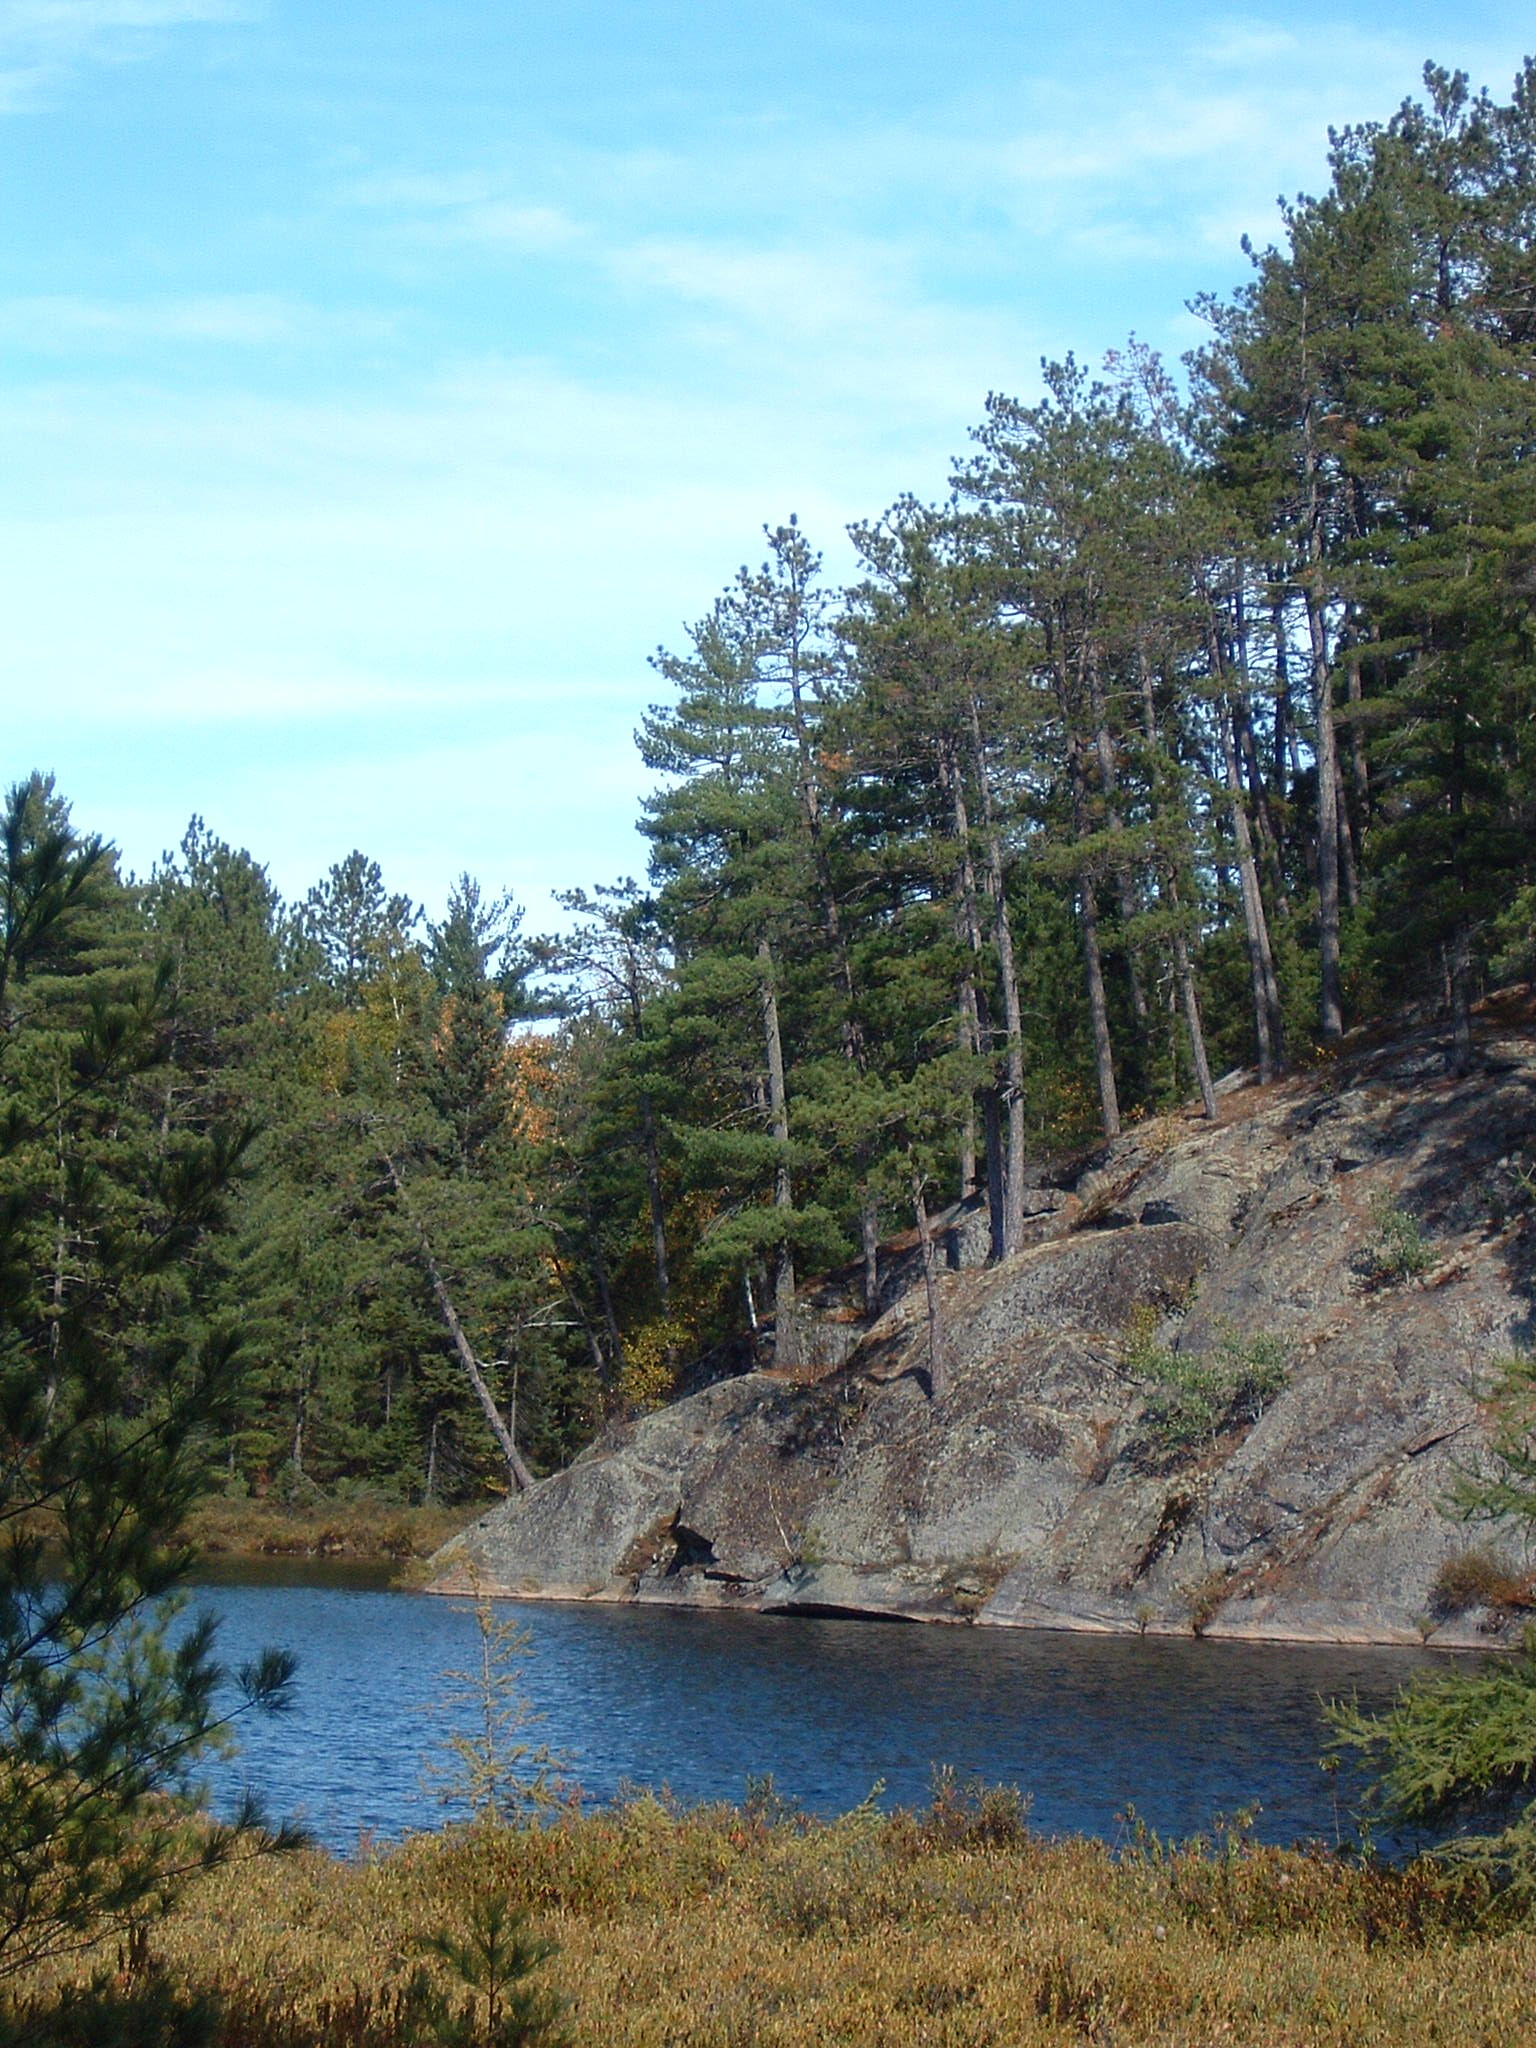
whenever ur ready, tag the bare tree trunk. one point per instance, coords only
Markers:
(975, 1009)
(602, 1365)
(1190, 1001)
(1188, 995)
(300, 1418)
(1461, 937)
(1327, 824)
(1267, 1017)
(1093, 963)
(521, 1477)
(1461, 997)
(1125, 887)
(605, 1292)
(635, 998)
(1013, 1009)
(937, 1378)
(785, 1347)
(967, 1039)
(653, 1191)
(811, 803)
(869, 1251)
(1287, 747)
(1332, 1018)
(1088, 908)
(1258, 787)
(1359, 767)
(1348, 871)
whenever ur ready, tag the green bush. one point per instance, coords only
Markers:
(1399, 1250)
(1197, 1397)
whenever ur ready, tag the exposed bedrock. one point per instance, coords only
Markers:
(1041, 1488)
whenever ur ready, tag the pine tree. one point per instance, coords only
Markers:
(111, 1393)
(730, 858)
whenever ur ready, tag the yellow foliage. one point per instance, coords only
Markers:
(531, 1071)
(392, 1008)
(651, 1360)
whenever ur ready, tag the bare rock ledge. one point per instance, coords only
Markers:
(1031, 1494)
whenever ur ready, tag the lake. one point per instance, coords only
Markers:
(631, 1696)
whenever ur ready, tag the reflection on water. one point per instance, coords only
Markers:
(1086, 1725)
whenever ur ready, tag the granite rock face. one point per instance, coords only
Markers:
(1368, 1220)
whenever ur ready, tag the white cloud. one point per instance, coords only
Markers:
(469, 208)
(1243, 43)
(43, 41)
(45, 19)
(243, 320)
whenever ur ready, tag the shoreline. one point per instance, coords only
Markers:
(376, 1532)
(1459, 1636)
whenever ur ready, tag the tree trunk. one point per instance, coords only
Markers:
(811, 798)
(937, 1379)
(1190, 1001)
(653, 1191)
(1267, 1016)
(1098, 1011)
(1461, 935)
(1349, 875)
(300, 1417)
(967, 1040)
(1332, 1007)
(604, 1366)
(1287, 747)
(1093, 964)
(635, 997)
(869, 1248)
(1332, 1017)
(1125, 886)
(518, 1472)
(1258, 787)
(605, 1293)
(1188, 995)
(1359, 767)
(1461, 997)
(975, 1009)
(1013, 1009)
(785, 1348)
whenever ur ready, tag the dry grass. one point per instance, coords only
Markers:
(1480, 1578)
(728, 1927)
(362, 1529)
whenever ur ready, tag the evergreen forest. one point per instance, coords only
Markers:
(1191, 724)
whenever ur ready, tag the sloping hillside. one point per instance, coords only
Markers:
(1229, 1387)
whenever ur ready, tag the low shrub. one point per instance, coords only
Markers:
(720, 1925)
(1399, 1250)
(1478, 1578)
(1196, 1397)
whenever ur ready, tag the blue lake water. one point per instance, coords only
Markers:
(1085, 1725)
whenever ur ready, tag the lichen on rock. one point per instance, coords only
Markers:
(1024, 1495)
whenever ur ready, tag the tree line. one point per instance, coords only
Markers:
(1192, 726)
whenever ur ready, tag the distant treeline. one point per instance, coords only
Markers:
(1195, 725)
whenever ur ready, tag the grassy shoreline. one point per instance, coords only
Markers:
(373, 1530)
(729, 1926)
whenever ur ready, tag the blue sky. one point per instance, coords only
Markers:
(379, 386)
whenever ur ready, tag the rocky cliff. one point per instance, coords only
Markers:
(1229, 1386)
